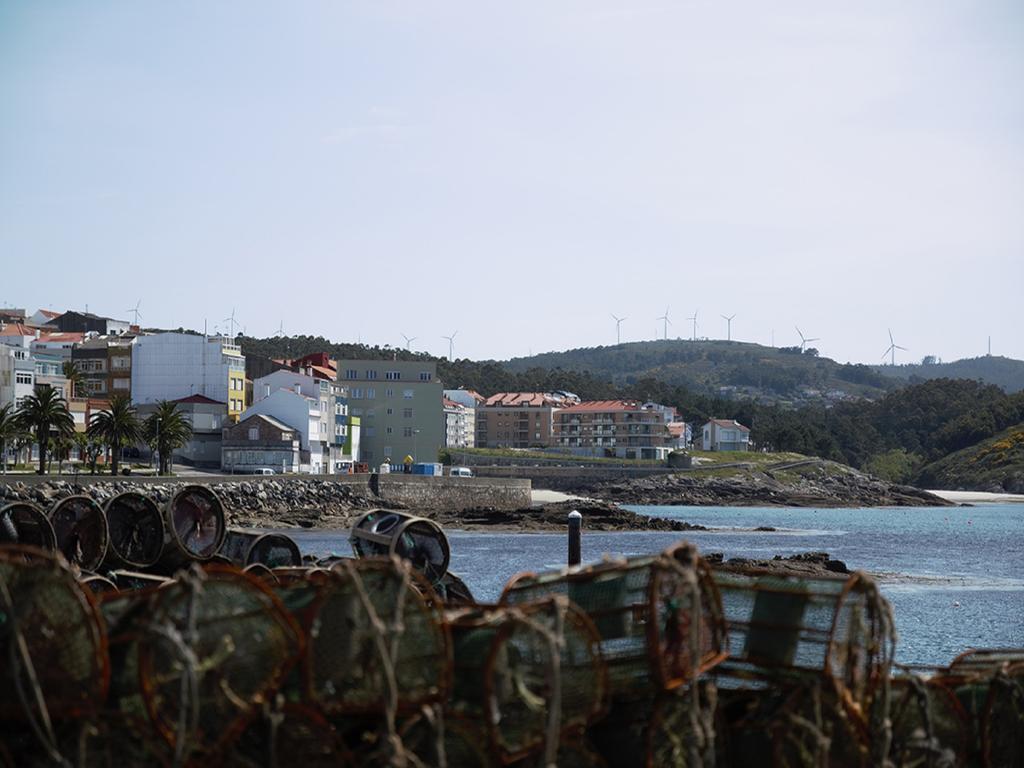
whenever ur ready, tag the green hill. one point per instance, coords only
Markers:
(996, 464)
(729, 367)
(1004, 372)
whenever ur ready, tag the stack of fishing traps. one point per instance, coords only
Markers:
(170, 656)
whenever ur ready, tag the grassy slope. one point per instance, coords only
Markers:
(1004, 372)
(996, 464)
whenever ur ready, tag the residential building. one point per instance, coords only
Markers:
(399, 404)
(57, 343)
(624, 428)
(207, 417)
(17, 375)
(12, 315)
(260, 442)
(170, 366)
(519, 419)
(84, 322)
(459, 425)
(725, 435)
(681, 433)
(43, 317)
(49, 372)
(302, 414)
(313, 383)
(105, 365)
(17, 335)
(466, 397)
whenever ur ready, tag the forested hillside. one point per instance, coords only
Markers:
(995, 464)
(1004, 372)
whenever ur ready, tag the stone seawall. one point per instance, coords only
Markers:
(575, 479)
(290, 500)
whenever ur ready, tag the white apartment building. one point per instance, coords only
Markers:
(302, 414)
(17, 375)
(459, 425)
(170, 366)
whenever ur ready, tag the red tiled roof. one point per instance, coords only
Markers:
(445, 402)
(199, 399)
(730, 423)
(61, 336)
(603, 405)
(50, 313)
(519, 399)
(17, 329)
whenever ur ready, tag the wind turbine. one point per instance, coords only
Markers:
(694, 319)
(135, 311)
(803, 340)
(451, 346)
(893, 346)
(231, 319)
(618, 324)
(408, 341)
(667, 322)
(728, 319)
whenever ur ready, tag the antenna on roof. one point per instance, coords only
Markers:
(803, 340)
(408, 341)
(618, 327)
(694, 319)
(135, 311)
(893, 346)
(280, 330)
(451, 345)
(728, 319)
(667, 322)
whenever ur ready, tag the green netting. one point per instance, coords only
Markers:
(659, 617)
(24, 523)
(929, 726)
(136, 532)
(81, 530)
(53, 656)
(989, 685)
(293, 735)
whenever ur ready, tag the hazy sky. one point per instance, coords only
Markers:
(517, 171)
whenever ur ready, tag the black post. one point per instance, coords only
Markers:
(575, 536)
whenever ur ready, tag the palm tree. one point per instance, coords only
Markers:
(116, 426)
(44, 414)
(74, 377)
(167, 429)
(10, 433)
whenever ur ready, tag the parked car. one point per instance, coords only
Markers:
(460, 472)
(264, 471)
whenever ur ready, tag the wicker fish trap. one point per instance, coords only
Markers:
(274, 550)
(24, 523)
(290, 735)
(96, 583)
(377, 641)
(659, 617)
(136, 532)
(81, 530)
(528, 674)
(930, 728)
(200, 655)
(194, 527)
(384, 533)
(53, 644)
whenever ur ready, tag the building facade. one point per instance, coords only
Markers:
(105, 365)
(260, 442)
(623, 428)
(303, 415)
(459, 425)
(519, 419)
(399, 405)
(86, 322)
(725, 435)
(170, 366)
(17, 375)
(207, 417)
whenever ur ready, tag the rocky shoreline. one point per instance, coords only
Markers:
(812, 484)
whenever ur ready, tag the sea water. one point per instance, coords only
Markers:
(954, 575)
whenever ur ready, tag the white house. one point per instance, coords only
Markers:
(17, 375)
(725, 435)
(302, 414)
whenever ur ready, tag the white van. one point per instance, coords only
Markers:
(263, 471)
(460, 472)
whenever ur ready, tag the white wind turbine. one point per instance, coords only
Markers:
(893, 346)
(408, 341)
(618, 327)
(694, 320)
(666, 321)
(803, 340)
(135, 311)
(451, 346)
(231, 319)
(728, 319)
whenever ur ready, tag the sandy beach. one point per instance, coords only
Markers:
(980, 497)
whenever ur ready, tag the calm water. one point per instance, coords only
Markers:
(955, 576)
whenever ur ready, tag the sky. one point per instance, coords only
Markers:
(516, 173)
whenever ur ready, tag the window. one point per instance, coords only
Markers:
(407, 394)
(313, 426)
(393, 375)
(425, 376)
(407, 413)
(371, 393)
(370, 413)
(389, 392)
(254, 433)
(357, 393)
(286, 435)
(120, 363)
(371, 375)
(391, 411)
(406, 431)
(389, 430)
(351, 374)
(122, 383)
(370, 431)
(22, 378)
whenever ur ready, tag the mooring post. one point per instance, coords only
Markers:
(575, 536)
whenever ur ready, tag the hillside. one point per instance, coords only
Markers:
(770, 374)
(996, 464)
(1004, 372)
